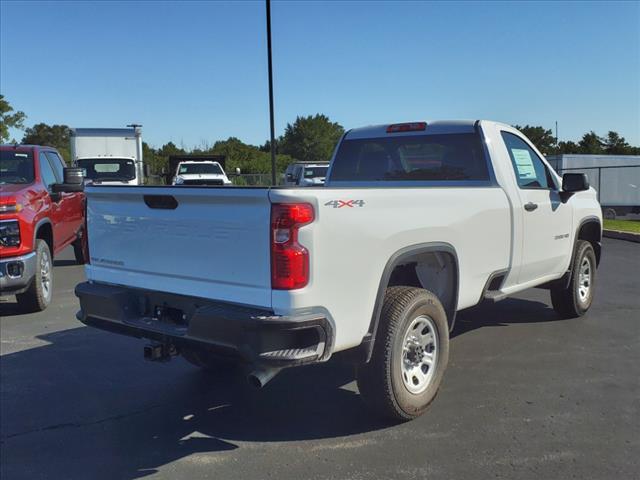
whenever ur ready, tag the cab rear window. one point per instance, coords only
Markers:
(432, 158)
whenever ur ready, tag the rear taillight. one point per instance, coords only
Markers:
(289, 259)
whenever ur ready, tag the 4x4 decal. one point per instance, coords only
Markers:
(345, 203)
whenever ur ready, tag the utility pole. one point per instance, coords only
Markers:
(272, 141)
(557, 139)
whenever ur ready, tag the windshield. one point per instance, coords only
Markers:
(445, 157)
(313, 172)
(108, 169)
(16, 167)
(189, 168)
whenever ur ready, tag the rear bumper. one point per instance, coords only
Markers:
(252, 335)
(16, 273)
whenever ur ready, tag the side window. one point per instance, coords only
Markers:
(530, 171)
(46, 172)
(57, 164)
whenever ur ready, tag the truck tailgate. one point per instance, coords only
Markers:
(203, 242)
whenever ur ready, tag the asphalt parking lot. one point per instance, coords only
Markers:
(525, 396)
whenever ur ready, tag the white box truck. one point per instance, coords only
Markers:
(616, 178)
(109, 156)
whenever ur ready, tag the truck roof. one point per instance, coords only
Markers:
(104, 132)
(433, 127)
(198, 162)
(20, 146)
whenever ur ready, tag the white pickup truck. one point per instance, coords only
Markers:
(416, 222)
(200, 173)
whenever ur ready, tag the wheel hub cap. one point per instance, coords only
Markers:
(419, 354)
(45, 274)
(584, 279)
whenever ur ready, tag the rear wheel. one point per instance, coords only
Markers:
(78, 250)
(574, 300)
(410, 354)
(38, 296)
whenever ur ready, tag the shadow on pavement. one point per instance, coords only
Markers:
(10, 309)
(507, 312)
(87, 402)
(65, 263)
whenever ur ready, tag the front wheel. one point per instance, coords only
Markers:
(38, 296)
(575, 299)
(410, 354)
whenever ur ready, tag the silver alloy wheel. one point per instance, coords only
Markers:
(584, 279)
(419, 354)
(45, 274)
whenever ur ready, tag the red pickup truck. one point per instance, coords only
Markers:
(38, 219)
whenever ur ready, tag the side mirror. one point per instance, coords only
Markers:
(73, 181)
(575, 182)
(145, 169)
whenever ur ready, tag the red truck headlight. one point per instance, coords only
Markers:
(289, 259)
(9, 233)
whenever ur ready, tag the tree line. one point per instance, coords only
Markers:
(311, 138)
(590, 143)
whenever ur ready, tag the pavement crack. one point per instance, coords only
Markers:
(58, 426)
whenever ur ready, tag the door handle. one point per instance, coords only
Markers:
(530, 207)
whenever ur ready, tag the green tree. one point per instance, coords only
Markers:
(248, 158)
(591, 143)
(170, 148)
(568, 147)
(9, 120)
(614, 144)
(50, 135)
(311, 139)
(541, 137)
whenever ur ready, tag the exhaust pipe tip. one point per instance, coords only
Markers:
(259, 377)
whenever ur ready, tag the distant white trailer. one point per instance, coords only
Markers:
(615, 177)
(110, 156)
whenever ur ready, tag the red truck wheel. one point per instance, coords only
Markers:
(38, 296)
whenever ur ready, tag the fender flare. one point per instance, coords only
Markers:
(566, 278)
(396, 259)
(41, 222)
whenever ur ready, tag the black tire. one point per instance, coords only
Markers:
(571, 302)
(38, 296)
(609, 214)
(208, 362)
(78, 252)
(382, 381)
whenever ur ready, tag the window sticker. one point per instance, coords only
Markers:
(524, 163)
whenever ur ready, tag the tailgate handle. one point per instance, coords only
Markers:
(162, 202)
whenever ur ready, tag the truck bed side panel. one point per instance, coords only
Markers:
(350, 246)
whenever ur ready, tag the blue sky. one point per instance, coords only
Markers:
(195, 72)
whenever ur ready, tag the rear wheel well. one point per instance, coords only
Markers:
(45, 232)
(591, 231)
(432, 266)
(434, 271)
